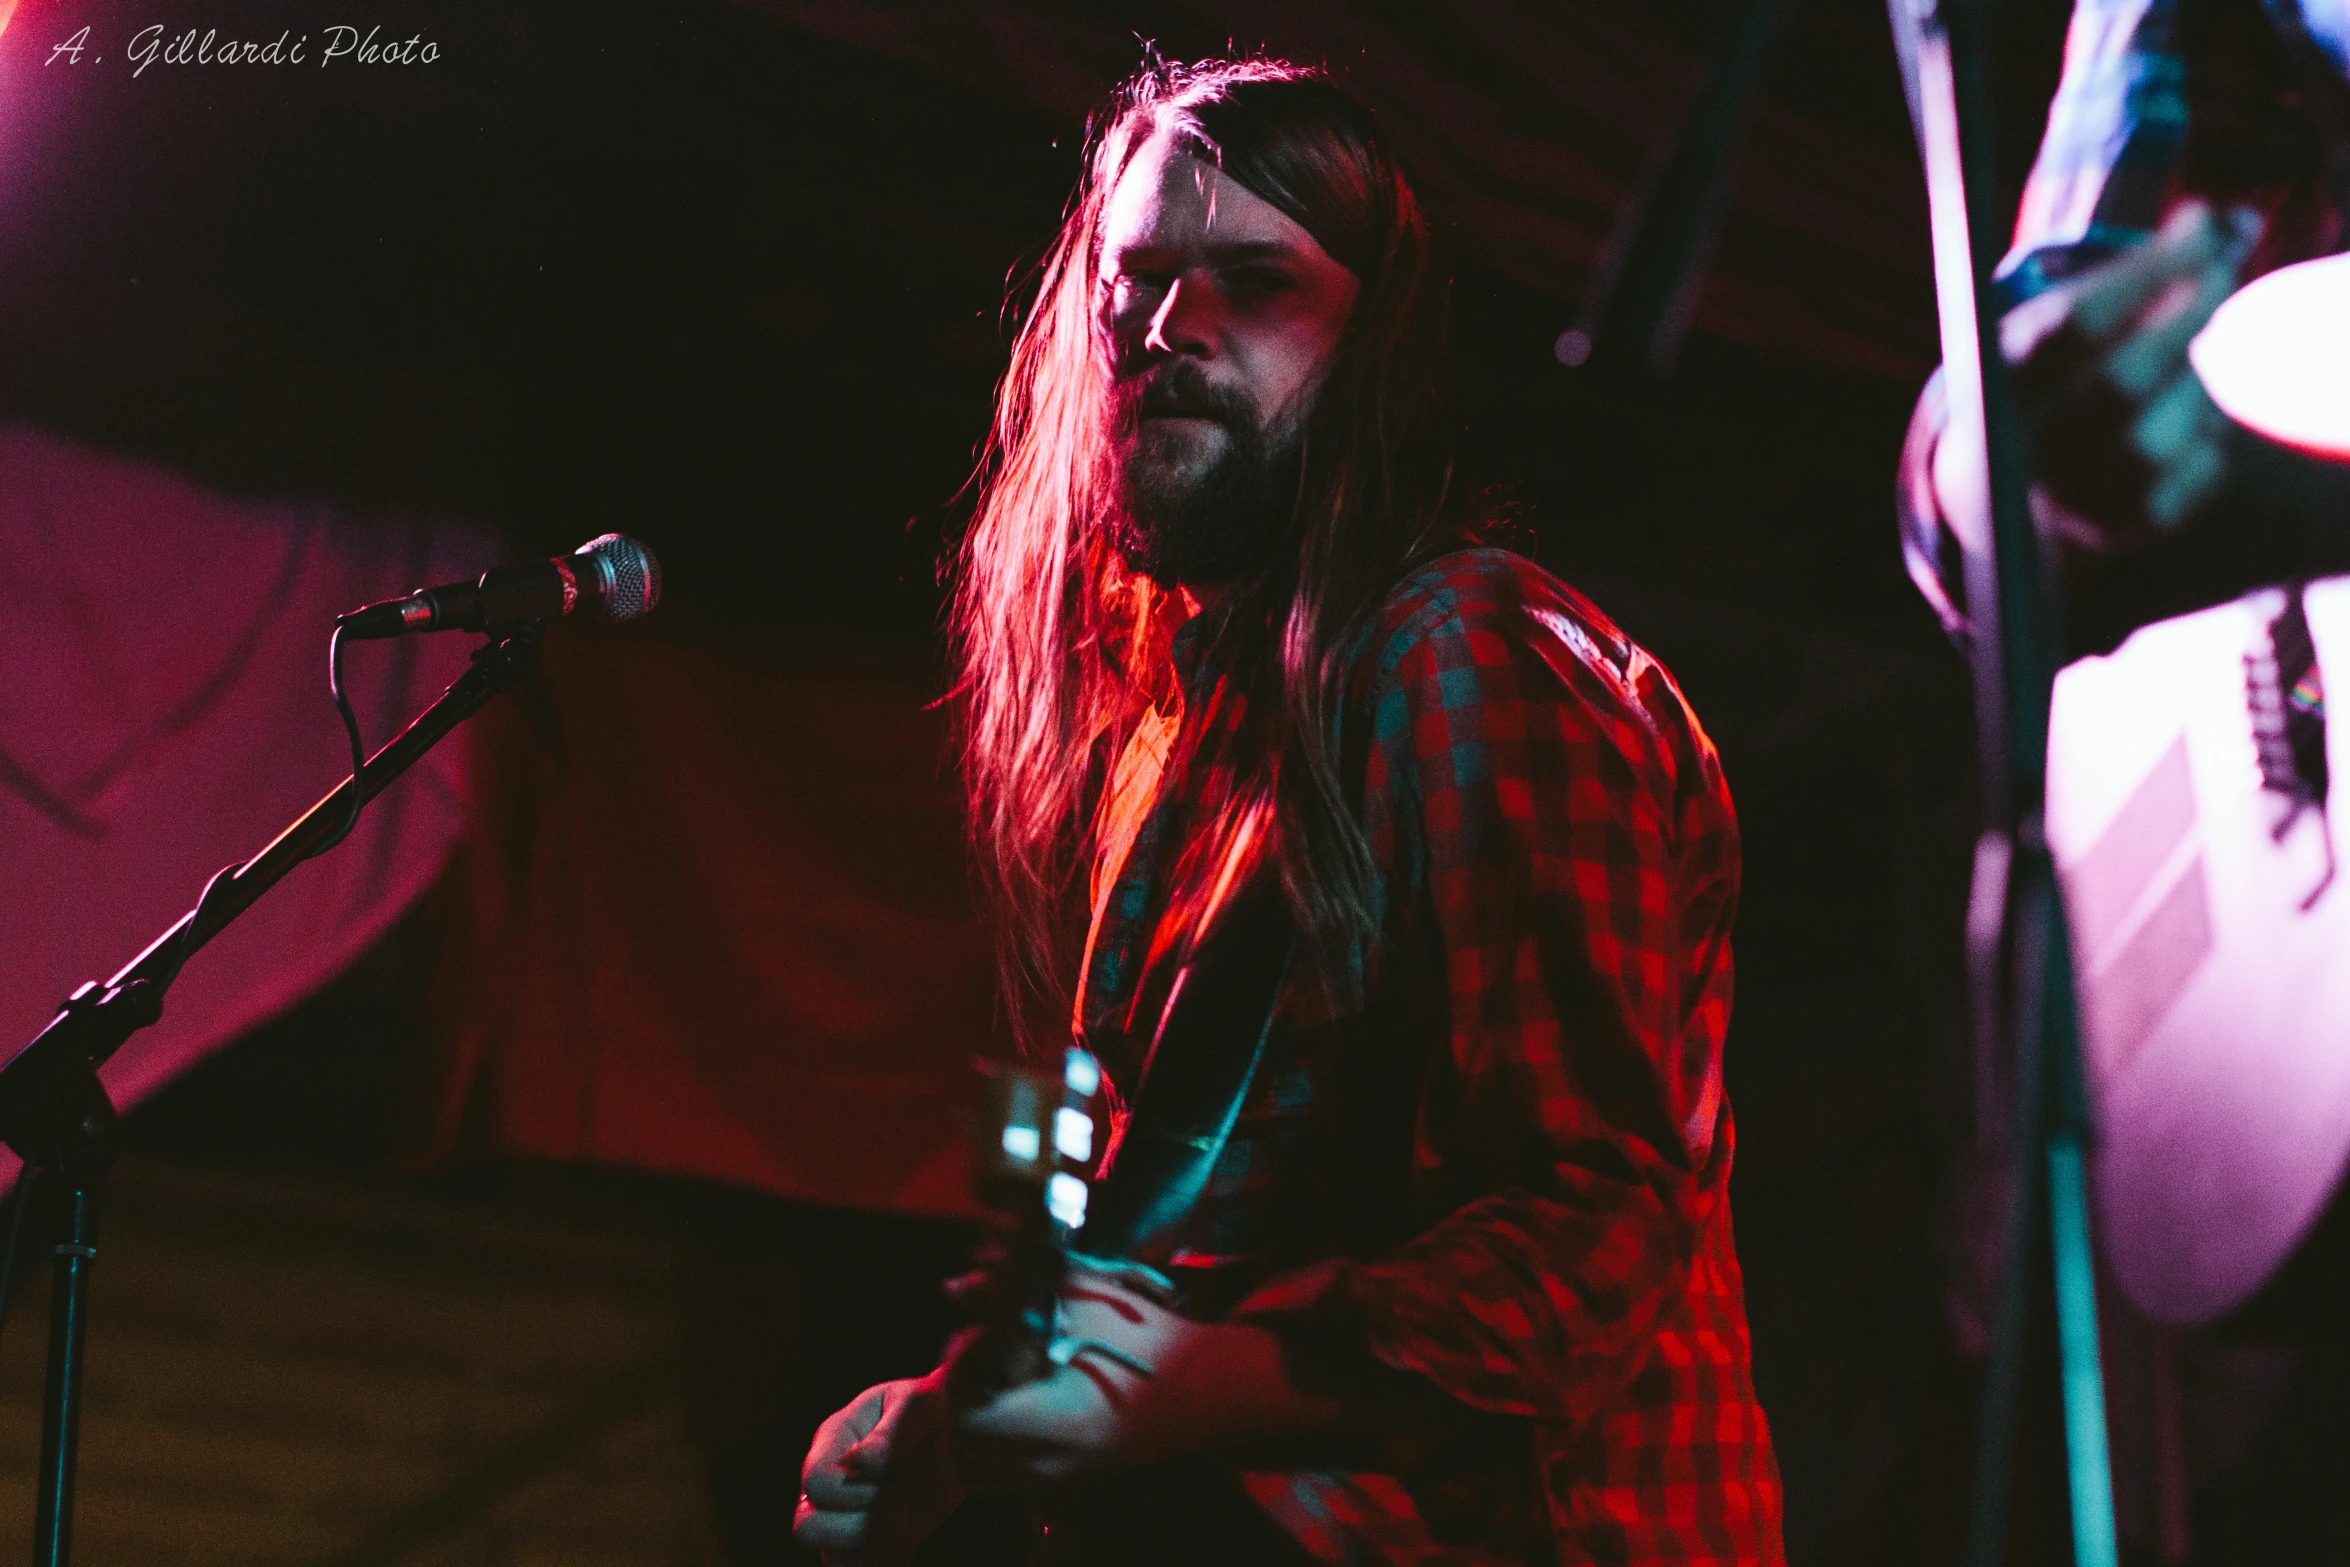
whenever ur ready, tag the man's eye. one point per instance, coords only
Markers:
(1128, 283)
(1257, 282)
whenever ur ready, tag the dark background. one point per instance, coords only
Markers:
(732, 278)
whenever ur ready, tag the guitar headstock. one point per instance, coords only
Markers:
(1037, 1142)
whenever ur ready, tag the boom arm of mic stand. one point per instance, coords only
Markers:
(98, 1018)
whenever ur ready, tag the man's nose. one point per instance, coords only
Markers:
(1184, 323)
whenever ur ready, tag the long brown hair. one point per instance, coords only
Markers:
(1061, 648)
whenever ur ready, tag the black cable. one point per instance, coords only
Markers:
(200, 929)
(334, 684)
(205, 921)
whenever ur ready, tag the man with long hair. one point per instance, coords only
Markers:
(1458, 1284)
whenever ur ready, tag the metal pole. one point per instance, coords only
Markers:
(76, 1249)
(2027, 967)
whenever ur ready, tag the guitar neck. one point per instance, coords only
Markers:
(1039, 1144)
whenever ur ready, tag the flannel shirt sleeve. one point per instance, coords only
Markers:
(1574, 849)
(1559, 846)
(2110, 154)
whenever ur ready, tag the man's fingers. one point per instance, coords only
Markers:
(2142, 305)
(1022, 1466)
(2172, 421)
(829, 1531)
(851, 1477)
(836, 1488)
(1018, 1440)
(851, 1454)
(2157, 352)
(878, 1477)
(2108, 298)
(1090, 1299)
(2051, 334)
(845, 1430)
(2180, 434)
(910, 1413)
(2186, 486)
(852, 1539)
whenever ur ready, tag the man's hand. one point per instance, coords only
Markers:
(888, 1470)
(2125, 443)
(879, 1477)
(1109, 1408)
(1143, 1385)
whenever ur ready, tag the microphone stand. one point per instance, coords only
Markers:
(56, 1115)
(2020, 945)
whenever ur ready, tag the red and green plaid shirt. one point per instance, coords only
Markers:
(1507, 1172)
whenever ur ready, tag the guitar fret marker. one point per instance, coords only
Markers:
(1073, 1134)
(1064, 1198)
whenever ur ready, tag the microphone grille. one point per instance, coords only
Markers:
(630, 574)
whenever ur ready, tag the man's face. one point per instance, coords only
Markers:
(1221, 314)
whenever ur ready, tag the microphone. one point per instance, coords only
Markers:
(610, 579)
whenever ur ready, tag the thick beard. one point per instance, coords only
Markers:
(1218, 525)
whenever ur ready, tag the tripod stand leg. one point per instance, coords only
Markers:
(76, 1251)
